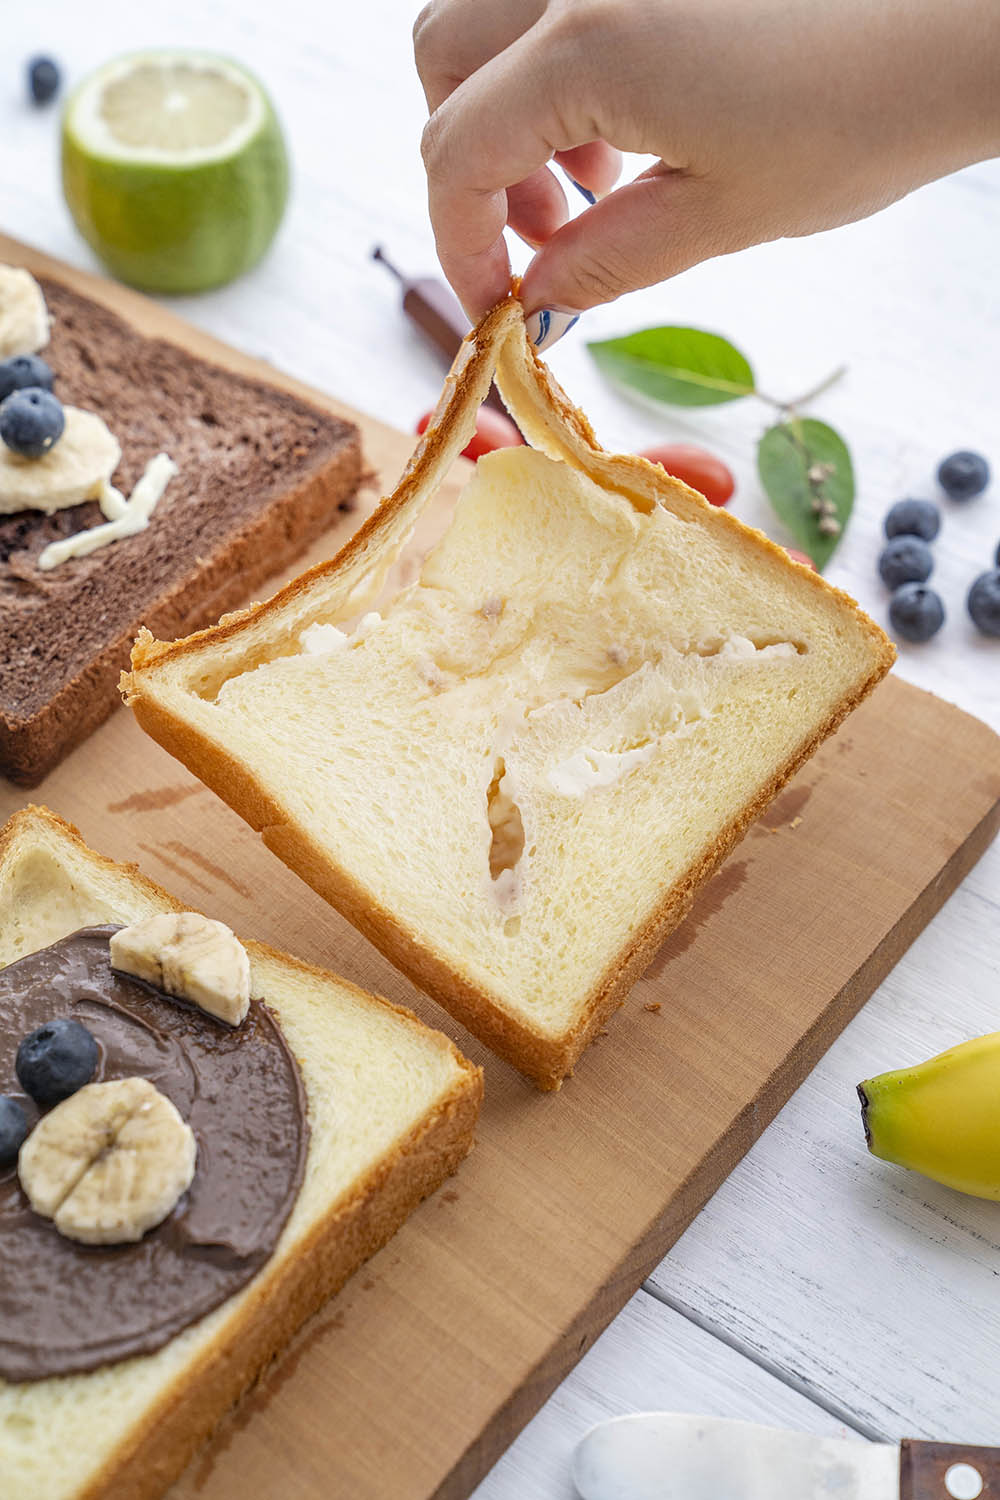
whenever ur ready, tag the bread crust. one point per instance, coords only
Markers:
(292, 1286)
(190, 1408)
(546, 1061)
(466, 386)
(551, 422)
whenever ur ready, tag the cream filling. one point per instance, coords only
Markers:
(740, 648)
(587, 768)
(320, 639)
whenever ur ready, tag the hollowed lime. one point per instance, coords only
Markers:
(174, 169)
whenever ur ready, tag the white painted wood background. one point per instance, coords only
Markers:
(819, 1288)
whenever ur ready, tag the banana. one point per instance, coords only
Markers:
(24, 319)
(942, 1117)
(109, 1162)
(190, 956)
(75, 468)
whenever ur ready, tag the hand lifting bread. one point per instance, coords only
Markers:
(516, 776)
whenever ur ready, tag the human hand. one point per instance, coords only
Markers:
(769, 118)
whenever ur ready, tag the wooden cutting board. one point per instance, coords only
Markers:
(411, 1382)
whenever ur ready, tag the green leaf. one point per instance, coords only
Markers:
(803, 463)
(682, 366)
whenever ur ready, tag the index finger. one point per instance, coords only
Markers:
(499, 126)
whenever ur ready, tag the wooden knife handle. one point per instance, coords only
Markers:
(923, 1466)
(435, 309)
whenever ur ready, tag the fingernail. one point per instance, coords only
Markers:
(547, 326)
(584, 192)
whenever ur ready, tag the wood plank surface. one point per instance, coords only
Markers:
(649, 1358)
(413, 1381)
(895, 1264)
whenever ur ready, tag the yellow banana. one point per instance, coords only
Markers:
(942, 1117)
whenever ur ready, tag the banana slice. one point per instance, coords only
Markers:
(24, 319)
(108, 1163)
(190, 956)
(76, 468)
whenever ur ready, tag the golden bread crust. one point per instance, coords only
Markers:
(192, 1405)
(468, 383)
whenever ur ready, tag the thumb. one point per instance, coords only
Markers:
(643, 233)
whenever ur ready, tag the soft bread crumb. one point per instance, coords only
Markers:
(563, 761)
(642, 633)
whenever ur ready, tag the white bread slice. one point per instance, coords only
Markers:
(392, 1108)
(599, 680)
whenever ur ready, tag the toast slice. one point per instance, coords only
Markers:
(261, 473)
(392, 1107)
(515, 778)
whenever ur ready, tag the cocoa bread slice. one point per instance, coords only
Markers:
(261, 473)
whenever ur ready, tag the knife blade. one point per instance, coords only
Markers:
(674, 1456)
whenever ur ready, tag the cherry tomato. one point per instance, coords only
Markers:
(493, 430)
(697, 468)
(801, 557)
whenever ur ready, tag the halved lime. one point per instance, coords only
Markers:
(174, 169)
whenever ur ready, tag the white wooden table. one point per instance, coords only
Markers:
(819, 1289)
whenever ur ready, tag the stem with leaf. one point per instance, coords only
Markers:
(804, 465)
(790, 407)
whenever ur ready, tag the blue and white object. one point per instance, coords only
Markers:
(547, 326)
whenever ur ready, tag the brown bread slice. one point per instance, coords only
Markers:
(262, 473)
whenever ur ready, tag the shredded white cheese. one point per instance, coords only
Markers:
(132, 516)
(112, 502)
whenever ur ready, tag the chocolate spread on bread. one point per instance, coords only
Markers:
(65, 1306)
(260, 474)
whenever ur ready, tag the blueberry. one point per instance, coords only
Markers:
(984, 602)
(31, 421)
(13, 1130)
(44, 79)
(963, 475)
(913, 518)
(916, 612)
(22, 371)
(906, 559)
(56, 1060)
